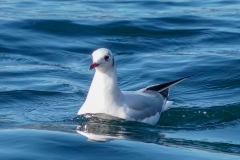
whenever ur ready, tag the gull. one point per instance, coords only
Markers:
(105, 97)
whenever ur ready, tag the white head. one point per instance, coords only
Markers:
(102, 60)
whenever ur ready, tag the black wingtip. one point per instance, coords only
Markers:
(165, 93)
(161, 87)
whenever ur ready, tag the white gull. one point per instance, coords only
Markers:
(104, 96)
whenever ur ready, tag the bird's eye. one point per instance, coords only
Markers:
(106, 57)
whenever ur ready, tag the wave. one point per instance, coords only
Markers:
(178, 118)
(201, 118)
(108, 128)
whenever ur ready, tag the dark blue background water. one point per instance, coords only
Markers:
(45, 49)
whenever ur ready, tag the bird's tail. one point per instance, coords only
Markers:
(167, 105)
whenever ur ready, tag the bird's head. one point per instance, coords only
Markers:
(102, 60)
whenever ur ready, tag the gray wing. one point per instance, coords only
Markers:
(146, 102)
(143, 104)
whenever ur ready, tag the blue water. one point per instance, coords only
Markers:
(45, 52)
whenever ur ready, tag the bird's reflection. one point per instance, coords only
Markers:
(99, 132)
(103, 130)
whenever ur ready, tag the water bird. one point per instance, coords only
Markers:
(105, 97)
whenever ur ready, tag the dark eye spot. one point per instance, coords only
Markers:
(106, 57)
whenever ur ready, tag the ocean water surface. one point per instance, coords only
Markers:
(45, 52)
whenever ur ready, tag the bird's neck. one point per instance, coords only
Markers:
(104, 87)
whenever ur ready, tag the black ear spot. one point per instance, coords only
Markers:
(106, 57)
